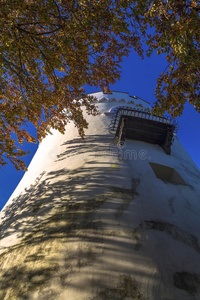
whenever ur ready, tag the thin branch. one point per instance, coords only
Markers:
(57, 7)
(48, 62)
(10, 64)
(42, 33)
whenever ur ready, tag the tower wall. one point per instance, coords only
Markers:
(91, 220)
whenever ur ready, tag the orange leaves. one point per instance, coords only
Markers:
(176, 27)
(194, 3)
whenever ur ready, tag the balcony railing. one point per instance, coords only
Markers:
(128, 111)
(141, 125)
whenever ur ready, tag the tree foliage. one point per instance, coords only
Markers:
(176, 33)
(50, 49)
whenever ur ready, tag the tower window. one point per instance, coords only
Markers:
(167, 174)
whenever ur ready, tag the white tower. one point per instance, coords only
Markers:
(116, 216)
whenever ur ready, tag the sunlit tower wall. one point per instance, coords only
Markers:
(114, 216)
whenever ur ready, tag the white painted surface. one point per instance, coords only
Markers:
(121, 223)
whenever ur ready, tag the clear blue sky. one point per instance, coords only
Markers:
(138, 78)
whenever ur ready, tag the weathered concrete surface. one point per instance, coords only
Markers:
(90, 220)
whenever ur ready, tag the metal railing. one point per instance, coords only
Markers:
(128, 111)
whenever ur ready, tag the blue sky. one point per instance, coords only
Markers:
(138, 78)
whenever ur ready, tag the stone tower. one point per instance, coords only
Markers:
(116, 216)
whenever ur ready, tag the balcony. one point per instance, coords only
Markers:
(129, 123)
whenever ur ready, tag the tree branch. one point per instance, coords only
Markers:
(36, 34)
